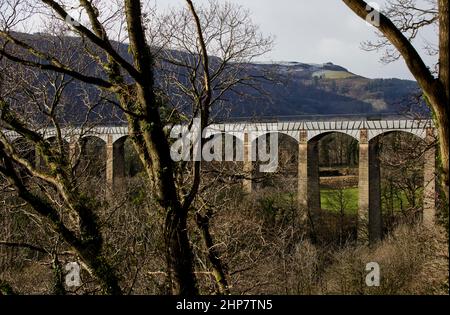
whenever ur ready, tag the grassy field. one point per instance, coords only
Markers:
(331, 200)
(330, 74)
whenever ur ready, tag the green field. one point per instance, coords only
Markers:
(332, 199)
(330, 74)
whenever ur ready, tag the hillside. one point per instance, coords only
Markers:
(328, 89)
(294, 89)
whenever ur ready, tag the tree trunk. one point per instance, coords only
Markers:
(101, 269)
(213, 255)
(154, 150)
(179, 255)
(443, 138)
(442, 109)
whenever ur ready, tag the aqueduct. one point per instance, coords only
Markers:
(306, 134)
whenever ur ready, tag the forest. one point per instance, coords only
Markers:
(69, 225)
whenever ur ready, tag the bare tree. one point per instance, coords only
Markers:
(203, 55)
(410, 18)
(127, 82)
(138, 101)
(399, 26)
(29, 102)
(338, 199)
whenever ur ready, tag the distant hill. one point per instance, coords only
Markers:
(328, 89)
(294, 89)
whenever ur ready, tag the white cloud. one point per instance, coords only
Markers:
(318, 31)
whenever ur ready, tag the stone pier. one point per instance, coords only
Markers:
(247, 183)
(429, 180)
(375, 213)
(370, 228)
(115, 163)
(313, 177)
(308, 175)
(363, 187)
(302, 177)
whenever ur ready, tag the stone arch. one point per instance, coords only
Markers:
(317, 135)
(327, 185)
(120, 139)
(232, 144)
(375, 133)
(236, 147)
(285, 139)
(224, 150)
(49, 135)
(254, 135)
(294, 135)
(93, 136)
(415, 172)
(124, 150)
(255, 138)
(287, 143)
(284, 156)
(92, 150)
(319, 138)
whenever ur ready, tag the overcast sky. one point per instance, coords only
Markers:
(318, 31)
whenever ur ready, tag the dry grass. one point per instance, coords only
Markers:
(267, 255)
(412, 260)
(263, 252)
